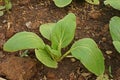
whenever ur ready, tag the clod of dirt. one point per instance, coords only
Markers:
(72, 76)
(117, 74)
(51, 76)
(32, 25)
(94, 14)
(21, 2)
(81, 78)
(16, 68)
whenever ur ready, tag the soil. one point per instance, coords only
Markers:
(28, 15)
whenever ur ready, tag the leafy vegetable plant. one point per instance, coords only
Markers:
(60, 34)
(114, 3)
(115, 31)
(63, 3)
(5, 7)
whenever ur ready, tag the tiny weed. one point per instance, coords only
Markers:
(6, 7)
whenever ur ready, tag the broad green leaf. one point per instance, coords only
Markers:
(23, 40)
(62, 3)
(115, 28)
(1, 13)
(63, 32)
(114, 3)
(115, 31)
(2, 7)
(89, 54)
(95, 2)
(45, 58)
(117, 45)
(46, 30)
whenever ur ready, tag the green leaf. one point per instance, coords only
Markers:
(62, 3)
(63, 32)
(114, 3)
(23, 40)
(1, 13)
(115, 28)
(8, 4)
(45, 58)
(89, 54)
(2, 7)
(46, 30)
(115, 31)
(117, 45)
(24, 54)
(55, 54)
(95, 2)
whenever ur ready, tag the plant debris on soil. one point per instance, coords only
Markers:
(28, 15)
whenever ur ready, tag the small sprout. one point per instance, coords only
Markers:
(24, 54)
(61, 35)
(110, 72)
(6, 7)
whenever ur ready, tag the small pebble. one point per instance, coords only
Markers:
(104, 39)
(85, 74)
(4, 21)
(73, 59)
(61, 79)
(81, 78)
(28, 24)
(0, 26)
(108, 52)
(2, 78)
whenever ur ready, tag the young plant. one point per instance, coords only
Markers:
(115, 31)
(114, 3)
(60, 34)
(5, 7)
(63, 3)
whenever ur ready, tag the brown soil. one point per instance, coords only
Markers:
(92, 21)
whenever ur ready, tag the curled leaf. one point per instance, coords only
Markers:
(45, 58)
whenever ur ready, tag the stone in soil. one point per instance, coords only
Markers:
(17, 68)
